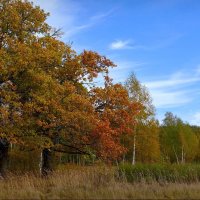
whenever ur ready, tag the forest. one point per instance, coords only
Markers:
(54, 113)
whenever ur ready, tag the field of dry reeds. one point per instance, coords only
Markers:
(92, 182)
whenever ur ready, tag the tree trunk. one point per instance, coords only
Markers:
(176, 155)
(45, 163)
(4, 146)
(182, 155)
(133, 161)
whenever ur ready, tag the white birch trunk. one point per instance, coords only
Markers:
(41, 162)
(176, 155)
(134, 147)
(182, 155)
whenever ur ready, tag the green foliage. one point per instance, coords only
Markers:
(143, 142)
(160, 172)
(179, 143)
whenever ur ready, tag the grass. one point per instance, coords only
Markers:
(185, 173)
(91, 182)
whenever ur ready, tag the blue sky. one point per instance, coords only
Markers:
(159, 40)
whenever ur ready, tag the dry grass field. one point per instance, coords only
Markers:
(75, 182)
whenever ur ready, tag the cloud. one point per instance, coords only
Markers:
(154, 45)
(67, 16)
(46, 5)
(124, 69)
(61, 15)
(102, 15)
(195, 119)
(119, 44)
(175, 80)
(198, 70)
(167, 99)
(177, 90)
(120, 73)
(76, 29)
(92, 21)
(163, 42)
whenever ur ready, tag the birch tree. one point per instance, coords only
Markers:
(145, 119)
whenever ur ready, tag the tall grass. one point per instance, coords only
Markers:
(185, 173)
(100, 182)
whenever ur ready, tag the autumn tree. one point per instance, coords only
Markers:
(19, 24)
(45, 101)
(143, 143)
(116, 114)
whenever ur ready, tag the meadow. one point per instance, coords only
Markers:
(104, 182)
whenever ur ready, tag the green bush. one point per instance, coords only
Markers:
(160, 172)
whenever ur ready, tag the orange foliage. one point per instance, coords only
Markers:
(42, 91)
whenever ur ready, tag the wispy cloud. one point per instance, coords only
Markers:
(170, 99)
(162, 42)
(194, 118)
(131, 44)
(124, 44)
(47, 5)
(92, 21)
(175, 80)
(101, 16)
(119, 44)
(124, 69)
(174, 91)
(120, 73)
(67, 15)
(60, 16)
(198, 70)
(76, 29)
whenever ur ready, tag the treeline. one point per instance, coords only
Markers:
(50, 101)
(173, 141)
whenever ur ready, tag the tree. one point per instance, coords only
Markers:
(116, 115)
(178, 142)
(144, 137)
(196, 131)
(19, 22)
(45, 101)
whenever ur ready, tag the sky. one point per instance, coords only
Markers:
(158, 40)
